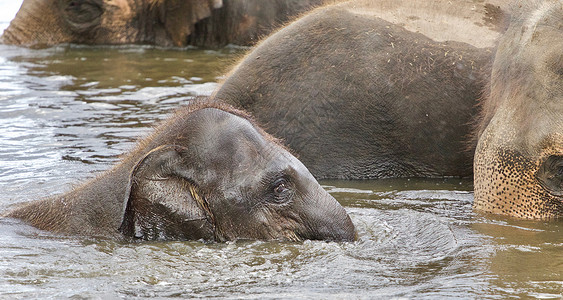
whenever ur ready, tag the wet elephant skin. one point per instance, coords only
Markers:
(358, 94)
(519, 157)
(206, 173)
(208, 23)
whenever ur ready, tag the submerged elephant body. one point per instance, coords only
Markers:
(373, 89)
(207, 173)
(519, 157)
(208, 23)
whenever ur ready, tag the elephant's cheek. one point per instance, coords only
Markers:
(506, 183)
(270, 224)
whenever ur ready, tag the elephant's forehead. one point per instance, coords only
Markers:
(232, 140)
(239, 147)
(283, 160)
(220, 130)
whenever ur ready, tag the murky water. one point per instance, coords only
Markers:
(68, 112)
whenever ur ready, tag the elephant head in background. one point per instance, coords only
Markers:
(519, 157)
(41, 23)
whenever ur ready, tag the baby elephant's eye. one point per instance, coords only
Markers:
(281, 191)
(280, 186)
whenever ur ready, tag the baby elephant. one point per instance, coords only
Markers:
(207, 173)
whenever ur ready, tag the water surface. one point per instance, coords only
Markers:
(67, 113)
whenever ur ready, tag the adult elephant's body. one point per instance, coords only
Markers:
(209, 23)
(373, 89)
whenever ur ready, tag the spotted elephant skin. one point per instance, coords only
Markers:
(373, 89)
(209, 23)
(207, 173)
(519, 157)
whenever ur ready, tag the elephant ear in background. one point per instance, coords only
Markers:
(179, 16)
(162, 204)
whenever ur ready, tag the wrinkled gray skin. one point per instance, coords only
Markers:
(373, 89)
(211, 23)
(207, 173)
(519, 158)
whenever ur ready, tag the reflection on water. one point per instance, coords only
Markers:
(68, 112)
(82, 104)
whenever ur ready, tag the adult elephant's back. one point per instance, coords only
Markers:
(358, 96)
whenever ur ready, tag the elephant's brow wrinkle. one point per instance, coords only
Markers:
(156, 178)
(255, 206)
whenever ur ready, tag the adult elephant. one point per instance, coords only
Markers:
(207, 173)
(209, 23)
(373, 89)
(519, 157)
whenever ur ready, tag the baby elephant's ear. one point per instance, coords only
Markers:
(162, 204)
